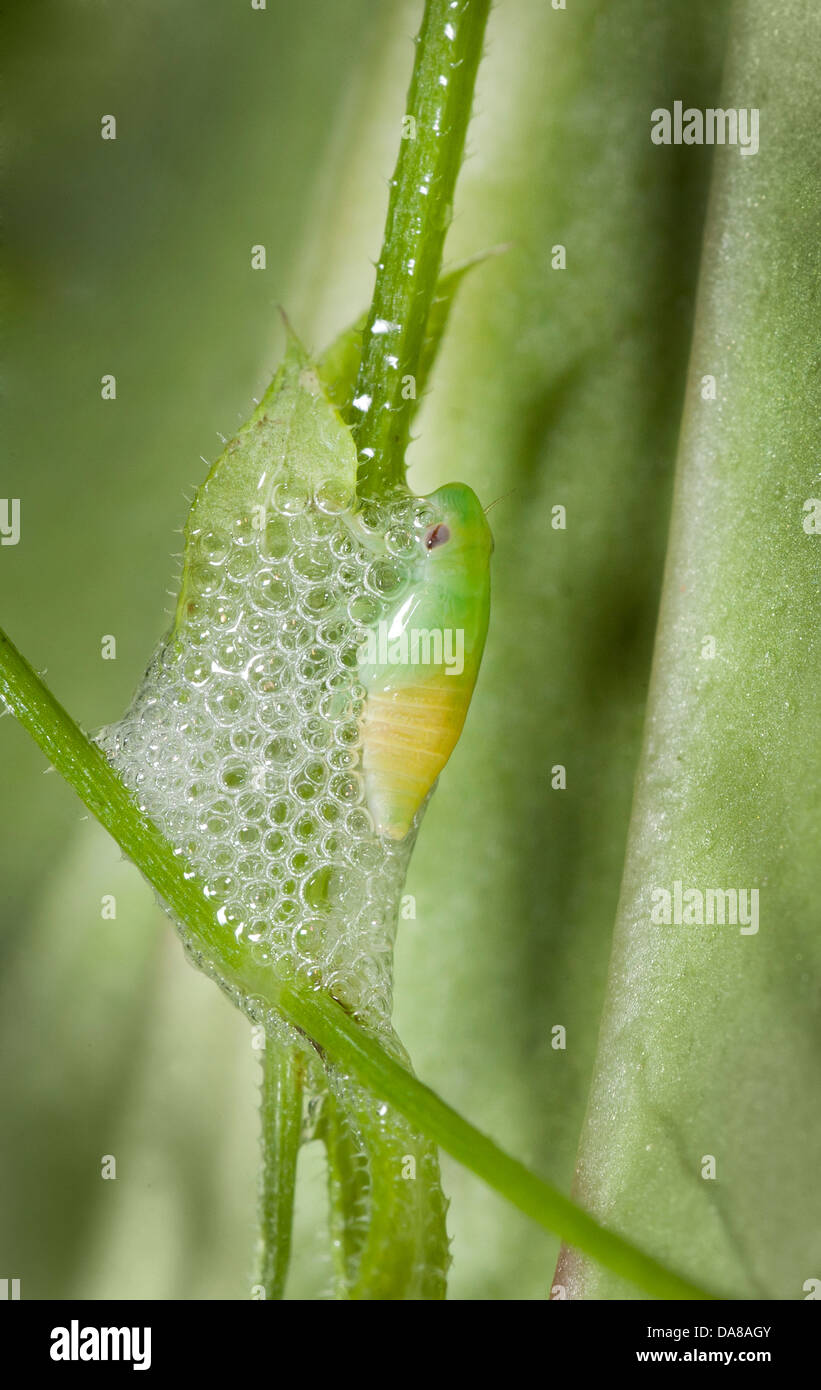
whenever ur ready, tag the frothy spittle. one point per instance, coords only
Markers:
(244, 745)
(243, 741)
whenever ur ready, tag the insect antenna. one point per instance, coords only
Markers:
(499, 499)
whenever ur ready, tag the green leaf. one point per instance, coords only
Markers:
(710, 1046)
(295, 441)
(339, 364)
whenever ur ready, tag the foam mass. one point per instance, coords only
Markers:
(243, 741)
(243, 745)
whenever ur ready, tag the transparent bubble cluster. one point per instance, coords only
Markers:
(243, 741)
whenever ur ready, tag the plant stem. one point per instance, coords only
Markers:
(348, 1191)
(314, 1013)
(387, 1223)
(405, 1252)
(281, 1114)
(439, 102)
(394, 1229)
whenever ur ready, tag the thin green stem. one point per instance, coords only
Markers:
(419, 210)
(283, 1074)
(319, 1017)
(348, 1190)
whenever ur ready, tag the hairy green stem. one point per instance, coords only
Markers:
(419, 210)
(348, 1191)
(281, 1112)
(405, 1251)
(319, 1017)
(387, 1240)
(387, 1206)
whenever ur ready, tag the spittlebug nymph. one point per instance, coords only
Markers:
(419, 690)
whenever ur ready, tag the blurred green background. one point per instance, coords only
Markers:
(237, 127)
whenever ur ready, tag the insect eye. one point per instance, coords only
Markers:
(437, 535)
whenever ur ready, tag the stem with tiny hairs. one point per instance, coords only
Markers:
(283, 1077)
(406, 1225)
(439, 103)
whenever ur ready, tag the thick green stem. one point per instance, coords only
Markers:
(315, 1013)
(419, 210)
(283, 1070)
(404, 1251)
(387, 1206)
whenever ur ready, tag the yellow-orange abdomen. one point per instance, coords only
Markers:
(408, 734)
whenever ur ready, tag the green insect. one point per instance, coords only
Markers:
(422, 665)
